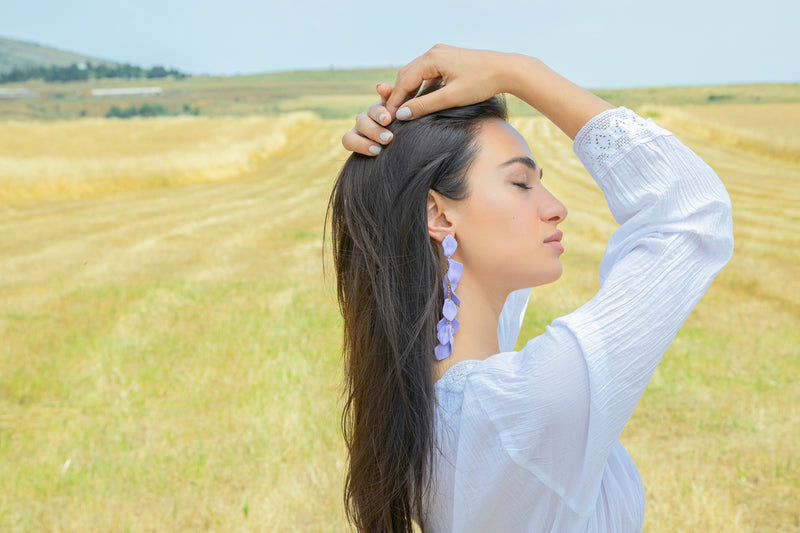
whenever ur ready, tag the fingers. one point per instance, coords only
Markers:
(379, 115)
(384, 90)
(369, 124)
(468, 76)
(420, 106)
(368, 135)
(383, 114)
(409, 80)
(428, 70)
(356, 143)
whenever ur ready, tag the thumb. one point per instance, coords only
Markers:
(426, 104)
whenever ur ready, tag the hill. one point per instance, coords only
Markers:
(21, 54)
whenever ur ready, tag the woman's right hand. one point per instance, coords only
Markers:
(469, 76)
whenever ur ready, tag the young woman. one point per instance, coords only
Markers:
(437, 242)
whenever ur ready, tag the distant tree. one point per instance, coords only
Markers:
(152, 110)
(145, 110)
(75, 72)
(114, 112)
(85, 71)
(157, 72)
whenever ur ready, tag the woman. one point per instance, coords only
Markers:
(436, 244)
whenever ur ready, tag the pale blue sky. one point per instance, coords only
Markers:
(614, 43)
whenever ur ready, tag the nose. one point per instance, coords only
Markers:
(551, 209)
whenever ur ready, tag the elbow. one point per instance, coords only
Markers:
(717, 234)
(707, 202)
(710, 211)
(725, 227)
(727, 235)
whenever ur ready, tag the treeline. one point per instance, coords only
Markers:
(149, 110)
(86, 71)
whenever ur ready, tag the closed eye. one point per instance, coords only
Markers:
(522, 185)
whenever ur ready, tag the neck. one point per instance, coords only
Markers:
(478, 317)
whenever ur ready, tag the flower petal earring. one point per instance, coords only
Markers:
(448, 325)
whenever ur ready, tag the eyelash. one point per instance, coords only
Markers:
(522, 185)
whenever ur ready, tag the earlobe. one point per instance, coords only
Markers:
(439, 226)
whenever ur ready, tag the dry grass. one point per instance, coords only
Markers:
(96, 157)
(167, 359)
(169, 355)
(767, 129)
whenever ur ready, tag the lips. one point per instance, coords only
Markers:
(555, 237)
(554, 241)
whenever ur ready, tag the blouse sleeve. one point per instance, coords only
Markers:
(560, 404)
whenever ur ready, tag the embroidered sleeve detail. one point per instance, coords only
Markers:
(457, 372)
(607, 137)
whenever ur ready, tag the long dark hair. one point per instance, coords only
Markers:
(389, 285)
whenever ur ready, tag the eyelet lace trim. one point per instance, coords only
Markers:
(457, 372)
(607, 137)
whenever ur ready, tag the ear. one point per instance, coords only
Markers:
(439, 226)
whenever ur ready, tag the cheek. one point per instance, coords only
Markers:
(491, 216)
(500, 224)
(513, 217)
(521, 222)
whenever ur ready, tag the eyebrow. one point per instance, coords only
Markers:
(527, 161)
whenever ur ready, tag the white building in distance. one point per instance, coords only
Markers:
(128, 91)
(11, 94)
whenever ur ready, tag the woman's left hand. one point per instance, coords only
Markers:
(368, 134)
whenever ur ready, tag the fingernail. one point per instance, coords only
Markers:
(374, 149)
(382, 118)
(403, 113)
(385, 136)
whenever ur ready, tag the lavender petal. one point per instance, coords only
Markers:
(449, 310)
(449, 243)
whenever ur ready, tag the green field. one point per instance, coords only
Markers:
(169, 346)
(328, 93)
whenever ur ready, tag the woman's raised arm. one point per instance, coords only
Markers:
(471, 76)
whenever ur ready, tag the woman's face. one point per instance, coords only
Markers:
(507, 227)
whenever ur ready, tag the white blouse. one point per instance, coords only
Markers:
(528, 440)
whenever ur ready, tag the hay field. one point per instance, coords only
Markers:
(169, 346)
(96, 157)
(767, 129)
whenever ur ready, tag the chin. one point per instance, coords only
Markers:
(545, 278)
(559, 271)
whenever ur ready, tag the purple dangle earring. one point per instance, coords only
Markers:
(448, 325)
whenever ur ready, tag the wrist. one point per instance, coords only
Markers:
(517, 73)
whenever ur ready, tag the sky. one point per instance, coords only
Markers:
(598, 44)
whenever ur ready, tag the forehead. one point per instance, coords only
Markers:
(498, 144)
